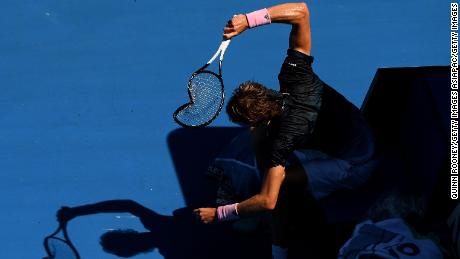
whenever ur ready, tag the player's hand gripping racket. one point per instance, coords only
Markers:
(58, 247)
(206, 94)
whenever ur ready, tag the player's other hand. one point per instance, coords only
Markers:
(235, 26)
(206, 215)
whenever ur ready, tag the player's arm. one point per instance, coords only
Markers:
(65, 213)
(268, 196)
(295, 14)
(264, 201)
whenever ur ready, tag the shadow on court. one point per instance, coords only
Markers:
(181, 235)
(176, 237)
(192, 151)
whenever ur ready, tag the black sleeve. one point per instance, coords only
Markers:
(301, 106)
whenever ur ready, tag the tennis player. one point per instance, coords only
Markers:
(305, 119)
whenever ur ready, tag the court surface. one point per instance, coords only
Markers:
(88, 89)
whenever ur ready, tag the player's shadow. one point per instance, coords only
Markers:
(182, 235)
(176, 237)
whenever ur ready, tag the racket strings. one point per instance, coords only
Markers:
(206, 100)
(60, 249)
(204, 87)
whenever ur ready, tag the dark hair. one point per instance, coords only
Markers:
(127, 242)
(252, 103)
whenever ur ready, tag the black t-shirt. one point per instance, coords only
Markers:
(315, 116)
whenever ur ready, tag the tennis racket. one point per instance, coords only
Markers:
(206, 94)
(60, 247)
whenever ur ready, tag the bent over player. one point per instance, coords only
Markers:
(306, 118)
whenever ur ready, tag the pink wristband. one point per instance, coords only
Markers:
(227, 212)
(258, 18)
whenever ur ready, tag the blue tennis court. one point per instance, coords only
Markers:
(88, 89)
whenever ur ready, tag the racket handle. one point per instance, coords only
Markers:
(223, 46)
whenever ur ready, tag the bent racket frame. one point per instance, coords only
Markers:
(221, 50)
(66, 240)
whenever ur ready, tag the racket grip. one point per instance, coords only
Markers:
(223, 48)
